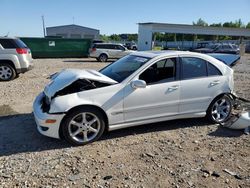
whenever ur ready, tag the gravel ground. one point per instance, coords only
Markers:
(183, 153)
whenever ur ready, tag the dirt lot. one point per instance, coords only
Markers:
(183, 153)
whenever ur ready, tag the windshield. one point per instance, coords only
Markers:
(124, 67)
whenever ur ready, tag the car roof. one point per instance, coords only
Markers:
(7, 37)
(152, 54)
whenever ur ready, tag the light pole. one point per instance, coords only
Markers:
(44, 32)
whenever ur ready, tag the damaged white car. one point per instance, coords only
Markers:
(141, 88)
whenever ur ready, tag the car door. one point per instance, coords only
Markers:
(160, 98)
(200, 83)
(122, 51)
(118, 51)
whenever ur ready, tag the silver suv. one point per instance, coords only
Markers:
(15, 58)
(104, 51)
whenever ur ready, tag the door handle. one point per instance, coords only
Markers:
(215, 82)
(172, 88)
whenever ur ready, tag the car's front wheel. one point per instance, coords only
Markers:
(7, 72)
(83, 126)
(220, 109)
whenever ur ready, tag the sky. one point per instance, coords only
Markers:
(23, 17)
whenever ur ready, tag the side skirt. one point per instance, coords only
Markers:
(155, 120)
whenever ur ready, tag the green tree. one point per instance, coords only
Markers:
(200, 22)
(216, 25)
(248, 25)
(115, 37)
(104, 38)
(132, 37)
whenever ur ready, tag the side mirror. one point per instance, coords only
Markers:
(138, 84)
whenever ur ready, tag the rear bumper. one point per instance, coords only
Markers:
(51, 129)
(23, 70)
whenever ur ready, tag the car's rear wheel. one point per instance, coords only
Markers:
(83, 126)
(220, 109)
(7, 72)
(103, 58)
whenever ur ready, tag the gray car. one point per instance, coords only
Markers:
(15, 58)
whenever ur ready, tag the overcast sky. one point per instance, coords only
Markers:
(23, 17)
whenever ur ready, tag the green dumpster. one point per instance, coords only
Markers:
(57, 47)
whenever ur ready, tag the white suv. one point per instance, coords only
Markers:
(15, 58)
(104, 51)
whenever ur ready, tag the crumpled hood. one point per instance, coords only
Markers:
(66, 77)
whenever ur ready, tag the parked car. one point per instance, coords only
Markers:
(15, 58)
(228, 59)
(143, 87)
(130, 45)
(247, 48)
(104, 51)
(226, 48)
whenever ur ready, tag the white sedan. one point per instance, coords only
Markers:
(144, 87)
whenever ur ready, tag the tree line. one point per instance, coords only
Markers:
(178, 37)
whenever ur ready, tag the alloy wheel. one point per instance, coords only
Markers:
(5, 72)
(84, 127)
(221, 110)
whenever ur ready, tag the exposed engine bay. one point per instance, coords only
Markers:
(80, 85)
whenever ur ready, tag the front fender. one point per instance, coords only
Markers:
(63, 104)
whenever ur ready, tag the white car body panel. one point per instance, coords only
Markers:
(66, 77)
(126, 106)
(162, 99)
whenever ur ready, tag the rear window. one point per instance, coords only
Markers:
(7, 43)
(20, 43)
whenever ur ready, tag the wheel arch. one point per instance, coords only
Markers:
(104, 53)
(218, 96)
(9, 62)
(85, 106)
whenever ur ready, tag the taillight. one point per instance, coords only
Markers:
(93, 49)
(22, 50)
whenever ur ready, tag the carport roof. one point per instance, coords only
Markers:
(194, 29)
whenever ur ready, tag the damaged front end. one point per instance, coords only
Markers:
(240, 115)
(71, 81)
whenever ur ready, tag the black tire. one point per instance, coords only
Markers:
(220, 105)
(103, 58)
(76, 117)
(7, 72)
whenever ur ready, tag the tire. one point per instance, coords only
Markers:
(103, 58)
(220, 109)
(83, 126)
(7, 72)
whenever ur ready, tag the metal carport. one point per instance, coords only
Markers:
(146, 31)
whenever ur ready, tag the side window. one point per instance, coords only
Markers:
(212, 70)
(99, 46)
(120, 48)
(105, 46)
(193, 67)
(7, 44)
(160, 72)
(112, 47)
